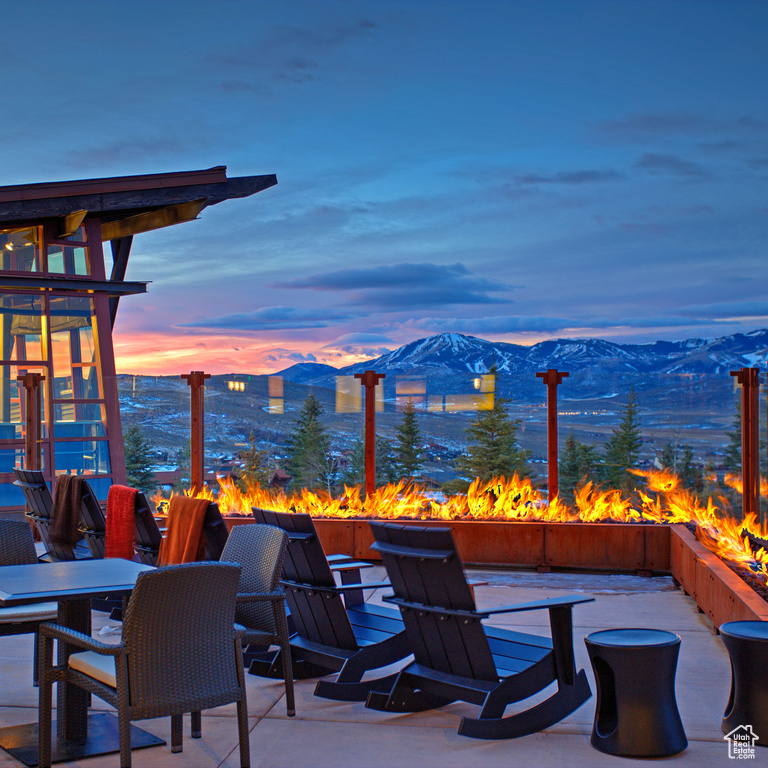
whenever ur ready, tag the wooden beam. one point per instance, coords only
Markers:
(146, 222)
(111, 288)
(71, 223)
(121, 249)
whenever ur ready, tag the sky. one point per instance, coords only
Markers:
(516, 170)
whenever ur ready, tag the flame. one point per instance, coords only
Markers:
(664, 501)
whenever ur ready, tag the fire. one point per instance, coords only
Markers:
(663, 501)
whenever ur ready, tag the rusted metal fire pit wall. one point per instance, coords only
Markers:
(717, 590)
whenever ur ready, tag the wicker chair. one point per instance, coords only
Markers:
(260, 550)
(185, 655)
(17, 547)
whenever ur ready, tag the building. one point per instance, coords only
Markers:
(58, 302)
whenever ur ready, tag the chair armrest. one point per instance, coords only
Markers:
(261, 597)
(348, 565)
(79, 639)
(547, 602)
(363, 585)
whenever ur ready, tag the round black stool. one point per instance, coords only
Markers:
(747, 645)
(636, 713)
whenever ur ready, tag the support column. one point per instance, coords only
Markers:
(33, 430)
(749, 378)
(369, 380)
(196, 381)
(552, 378)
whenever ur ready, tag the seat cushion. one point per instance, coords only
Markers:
(95, 665)
(34, 612)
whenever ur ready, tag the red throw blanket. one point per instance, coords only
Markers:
(65, 515)
(121, 523)
(184, 542)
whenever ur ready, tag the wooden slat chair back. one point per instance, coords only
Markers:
(435, 576)
(40, 510)
(331, 633)
(317, 608)
(456, 657)
(147, 532)
(93, 524)
(215, 532)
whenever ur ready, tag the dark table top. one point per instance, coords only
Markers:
(68, 580)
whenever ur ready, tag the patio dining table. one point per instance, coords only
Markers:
(72, 584)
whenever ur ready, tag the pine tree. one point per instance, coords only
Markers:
(408, 438)
(493, 450)
(690, 474)
(386, 469)
(668, 457)
(255, 465)
(138, 461)
(308, 449)
(622, 450)
(578, 462)
(184, 465)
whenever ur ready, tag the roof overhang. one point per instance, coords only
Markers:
(126, 205)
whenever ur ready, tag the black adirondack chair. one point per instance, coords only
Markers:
(456, 658)
(40, 508)
(93, 524)
(148, 535)
(332, 633)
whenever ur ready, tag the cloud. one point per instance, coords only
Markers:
(407, 285)
(271, 319)
(361, 338)
(492, 325)
(584, 176)
(724, 310)
(644, 125)
(670, 165)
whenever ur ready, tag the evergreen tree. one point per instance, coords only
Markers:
(493, 450)
(408, 438)
(622, 450)
(690, 474)
(184, 464)
(578, 462)
(668, 457)
(308, 449)
(732, 456)
(386, 469)
(138, 462)
(255, 465)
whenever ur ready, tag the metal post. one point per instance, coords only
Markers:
(33, 431)
(196, 381)
(749, 378)
(369, 380)
(552, 378)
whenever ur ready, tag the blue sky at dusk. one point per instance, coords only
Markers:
(514, 170)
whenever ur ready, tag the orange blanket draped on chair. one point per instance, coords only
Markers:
(184, 542)
(121, 522)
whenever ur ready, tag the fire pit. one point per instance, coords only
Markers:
(509, 523)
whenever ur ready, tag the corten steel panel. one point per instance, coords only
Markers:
(683, 559)
(336, 536)
(657, 547)
(478, 542)
(597, 546)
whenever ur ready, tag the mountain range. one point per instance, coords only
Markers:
(453, 360)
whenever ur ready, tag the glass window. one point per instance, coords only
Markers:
(11, 495)
(20, 326)
(20, 250)
(68, 260)
(79, 420)
(71, 343)
(13, 402)
(84, 457)
(12, 457)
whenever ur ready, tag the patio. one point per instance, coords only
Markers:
(337, 734)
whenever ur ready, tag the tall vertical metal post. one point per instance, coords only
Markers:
(196, 381)
(33, 421)
(552, 378)
(369, 380)
(749, 378)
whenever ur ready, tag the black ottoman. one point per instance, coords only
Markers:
(747, 645)
(636, 713)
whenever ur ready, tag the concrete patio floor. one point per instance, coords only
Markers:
(328, 734)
